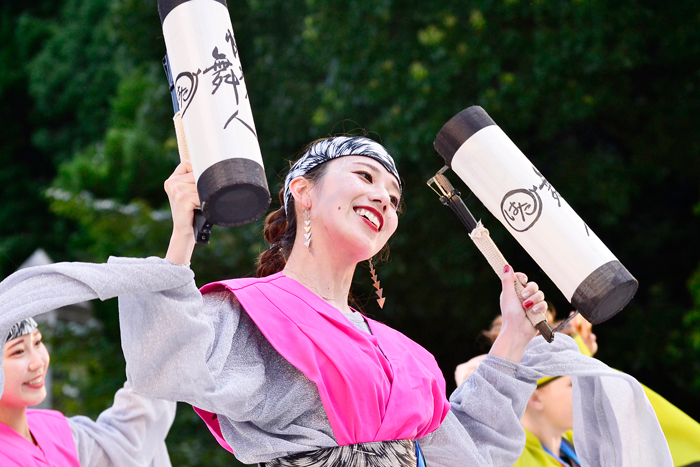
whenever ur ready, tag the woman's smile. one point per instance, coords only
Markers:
(36, 383)
(371, 216)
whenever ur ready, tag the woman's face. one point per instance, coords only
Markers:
(25, 362)
(354, 206)
(558, 408)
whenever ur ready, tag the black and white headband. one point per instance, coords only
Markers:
(25, 326)
(332, 148)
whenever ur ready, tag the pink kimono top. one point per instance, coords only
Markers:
(56, 447)
(374, 387)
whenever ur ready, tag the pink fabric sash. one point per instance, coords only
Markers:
(53, 434)
(377, 387)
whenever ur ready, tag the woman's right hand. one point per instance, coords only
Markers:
(182, 194)
(517, 331)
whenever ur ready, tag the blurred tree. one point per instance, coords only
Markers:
(25, 221)
(601, 96)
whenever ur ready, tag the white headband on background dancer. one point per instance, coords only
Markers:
(26, 326)
(332, 148)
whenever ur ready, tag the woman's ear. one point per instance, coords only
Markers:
(300, 188)
(536, 401)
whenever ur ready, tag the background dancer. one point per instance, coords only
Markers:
(130, 433)
(549, 408)
(548, 421)
(681, 431)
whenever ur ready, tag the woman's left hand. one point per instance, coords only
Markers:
(517, 330)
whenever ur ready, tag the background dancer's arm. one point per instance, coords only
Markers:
(130, 433)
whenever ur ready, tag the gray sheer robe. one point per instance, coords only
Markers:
(207, 352)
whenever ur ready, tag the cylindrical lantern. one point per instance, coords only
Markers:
(515, 192)
(213, 101)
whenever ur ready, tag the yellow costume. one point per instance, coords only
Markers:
(682, 432)
(534, 454)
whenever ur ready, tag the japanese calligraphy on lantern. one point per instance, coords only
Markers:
(223, 69)
(521, 208)
(538, 217)
(209, 85)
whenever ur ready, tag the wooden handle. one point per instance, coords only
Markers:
(201, 225)
(481, 238)
(180, 135)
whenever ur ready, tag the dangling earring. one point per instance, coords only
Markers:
(307, 229)
(379, 291)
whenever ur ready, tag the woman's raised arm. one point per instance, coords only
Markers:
(183, 197)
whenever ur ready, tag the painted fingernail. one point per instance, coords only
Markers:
(537, 309)
(526, 294)
(506, 268)
(524, 280)
(527, 304)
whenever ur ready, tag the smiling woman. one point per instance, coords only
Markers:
(283, 370)
(25, 363)
(32, 437)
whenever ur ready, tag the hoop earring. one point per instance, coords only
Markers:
(307, 229)
(379, 290)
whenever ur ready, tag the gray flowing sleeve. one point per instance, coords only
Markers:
(32, 291)
(131, 433)
(614, 423)
(181, 346)
(483, 426)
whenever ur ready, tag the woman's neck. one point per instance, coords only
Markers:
(549, 436)
(326, 279)
(16, 418)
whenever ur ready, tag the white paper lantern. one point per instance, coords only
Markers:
(212, 98)
(534, 212)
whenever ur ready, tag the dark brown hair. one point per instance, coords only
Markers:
(281, 229)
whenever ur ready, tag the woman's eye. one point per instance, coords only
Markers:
(38, 343)
(394, 201)
(366, 175)
(16, 352)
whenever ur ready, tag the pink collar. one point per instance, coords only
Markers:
(50, 429)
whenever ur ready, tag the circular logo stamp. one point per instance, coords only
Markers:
(186, 85)
(521, 208)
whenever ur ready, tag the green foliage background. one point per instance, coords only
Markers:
(602, 96)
